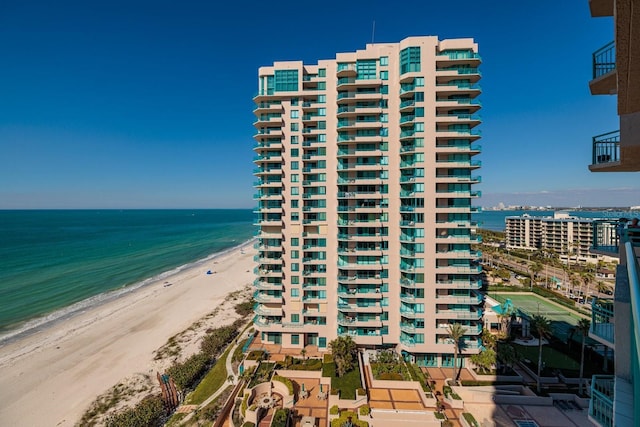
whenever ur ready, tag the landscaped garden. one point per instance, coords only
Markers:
(347, 384)
(262, 374)
(295, 364)
(387, 365)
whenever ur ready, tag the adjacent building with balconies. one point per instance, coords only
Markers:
(615, 399)
(568, 236)
(365, 175)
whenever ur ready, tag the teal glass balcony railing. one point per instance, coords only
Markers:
(606, 148)
(602, 395)
(602, 319)
(604, 60)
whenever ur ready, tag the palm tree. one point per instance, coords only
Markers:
(583, 326)
(575, 281)
(542, 326)
(587, 279)
(456, 331)
(535, 269)
(602, 287)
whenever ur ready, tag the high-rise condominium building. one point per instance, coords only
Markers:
(364, 186)
(615, 399)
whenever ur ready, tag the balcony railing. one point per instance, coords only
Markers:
(602, 319)
(606, 148)
(601, 405)
(604, 60)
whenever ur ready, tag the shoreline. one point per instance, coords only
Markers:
(52, 375)
(42, 323)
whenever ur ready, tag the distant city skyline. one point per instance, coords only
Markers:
(140, 105)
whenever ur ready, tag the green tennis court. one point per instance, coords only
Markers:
(562, 319)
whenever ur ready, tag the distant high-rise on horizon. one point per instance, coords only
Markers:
(364, 188)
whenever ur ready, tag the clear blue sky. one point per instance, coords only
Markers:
(132, 104)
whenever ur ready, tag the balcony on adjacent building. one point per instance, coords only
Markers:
(604, 80)
(605, 152)
(601, 405)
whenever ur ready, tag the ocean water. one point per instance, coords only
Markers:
(494, 220)
(55, 262)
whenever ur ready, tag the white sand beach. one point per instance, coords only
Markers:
(51, 377)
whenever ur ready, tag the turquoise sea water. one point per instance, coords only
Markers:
(56, 262)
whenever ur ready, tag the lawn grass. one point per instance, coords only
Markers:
(347, 384)
(551, 357)
(211, 382)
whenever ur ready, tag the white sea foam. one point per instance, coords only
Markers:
(43, 322)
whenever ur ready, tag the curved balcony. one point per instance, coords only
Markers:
(267, 311)
(456, 269)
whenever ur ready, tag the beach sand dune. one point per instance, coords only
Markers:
(51, 377)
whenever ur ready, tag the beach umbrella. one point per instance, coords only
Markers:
(320, 388)
(302, 386)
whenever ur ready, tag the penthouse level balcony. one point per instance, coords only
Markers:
(604, 74)
(347, 70)
(452, 58)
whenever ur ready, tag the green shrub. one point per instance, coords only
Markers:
(364, 410)
(285, 381)
(243, 407)
(361, 392)
(280, 418)
(148, 412)
(248, 424)
(187, 373)
(439, 416)
(470, 419)
(334, 410)
(344, 417)
(256, 355)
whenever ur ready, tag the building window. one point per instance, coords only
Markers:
(366, 69)
(295, 280)
(384, 60)
(295, 266)
(295, 216)
(295, 191)
(295, 338)
(295, 177)
(322, 342)
(409, 60)
(294, 127)
(295, 241)
(384, 75)
(294, 102)
(286, 80)
(295, 254)
(322, 72)
(295, 114)
(294, 204)
(295, 152)
(295, 293)
(322, 85)
(295, 166)
(294, 139)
